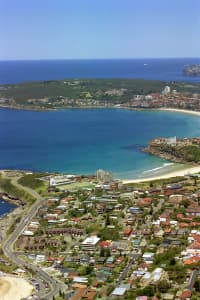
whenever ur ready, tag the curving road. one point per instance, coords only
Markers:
(41, 276)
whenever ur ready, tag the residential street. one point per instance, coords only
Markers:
(39, 274)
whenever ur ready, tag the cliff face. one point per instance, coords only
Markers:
(163, 153)
(177, 153)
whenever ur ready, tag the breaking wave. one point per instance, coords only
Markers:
(158, 168)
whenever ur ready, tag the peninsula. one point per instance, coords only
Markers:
(93, 93)
(185, 150)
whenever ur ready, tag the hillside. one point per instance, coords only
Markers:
(84, 92)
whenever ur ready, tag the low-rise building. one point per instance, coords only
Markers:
(90, 243)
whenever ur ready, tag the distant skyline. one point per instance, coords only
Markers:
(99, 29)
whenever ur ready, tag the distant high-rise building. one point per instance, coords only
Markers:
(166, 90)
(104, 176)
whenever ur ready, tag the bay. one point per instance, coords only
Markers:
(82, 141)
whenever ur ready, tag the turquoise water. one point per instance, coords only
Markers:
(82, 141)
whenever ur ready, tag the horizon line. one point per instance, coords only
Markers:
(115, 58)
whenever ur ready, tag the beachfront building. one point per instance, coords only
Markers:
(171, 141)
(104, 176)
(61, 180)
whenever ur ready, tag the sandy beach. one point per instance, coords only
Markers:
(191, 112)
(14, 288)
(186, 171)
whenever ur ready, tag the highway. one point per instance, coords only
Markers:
(7, 247)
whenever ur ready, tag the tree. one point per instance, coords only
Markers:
(107, 252)
(107, 223)
(195, 180)
(172, 261)
(109, 234)
(102, 252)
(151, 184)
(147, 291)
(151, 211)
(85, 270)
(197, 285)
(185, 203)
(163, 286)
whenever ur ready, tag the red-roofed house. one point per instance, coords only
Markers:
(192, 260)
(127, 231)
(142, 298)
(105, 244)
(186, 295)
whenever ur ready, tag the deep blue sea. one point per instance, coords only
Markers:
(160, 69)
(82, 141)
(5, 207)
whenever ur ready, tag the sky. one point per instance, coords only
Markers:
(84, 29)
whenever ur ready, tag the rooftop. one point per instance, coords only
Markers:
(92, 240)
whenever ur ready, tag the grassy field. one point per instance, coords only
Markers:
(76, 186)
(8, 187)
(34, 182)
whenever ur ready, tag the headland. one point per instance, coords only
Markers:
(192, 70)
(101, 93)
(186, 150)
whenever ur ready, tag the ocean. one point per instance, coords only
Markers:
(82, 141)
(159, 69)
(6, 207)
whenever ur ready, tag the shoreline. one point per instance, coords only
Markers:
(12, 287)
(187, 170)
(40, 109)
(178, 173)
(10, 199)
(184, 111)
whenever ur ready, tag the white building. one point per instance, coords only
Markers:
(166, 90)
(104, 176)
(61, 180)
(28, 233)
(171, 141)
(90, 243)
(157, 274)
(148, 257)
(78, 279)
